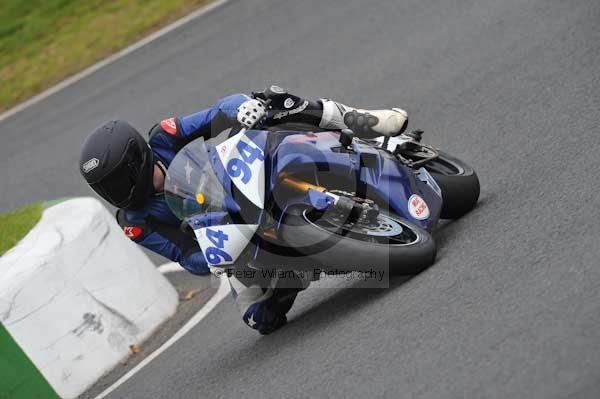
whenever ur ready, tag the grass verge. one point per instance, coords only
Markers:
(44, 41)
(15, 224)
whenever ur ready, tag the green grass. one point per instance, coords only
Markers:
(44, 41)
(15, 224)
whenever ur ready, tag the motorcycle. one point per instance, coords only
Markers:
(305, 201)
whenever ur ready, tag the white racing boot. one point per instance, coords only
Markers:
(363, 122)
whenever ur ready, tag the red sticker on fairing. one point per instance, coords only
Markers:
(169, 126)
(132, 232)
(417, 207)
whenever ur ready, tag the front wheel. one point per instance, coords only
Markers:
(458, 182)
(389, 243)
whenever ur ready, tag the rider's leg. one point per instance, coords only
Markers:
(263, 301)
(327, 114)
(363, 122)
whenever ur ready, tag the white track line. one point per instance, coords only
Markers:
(86, 72)
(202, 313)
(170, 268)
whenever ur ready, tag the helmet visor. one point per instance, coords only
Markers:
(117, 187)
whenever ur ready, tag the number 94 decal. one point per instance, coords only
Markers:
(215, 254)
(244, 162)
(222, 245)
(237, 167)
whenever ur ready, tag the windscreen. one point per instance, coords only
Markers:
(191, 186)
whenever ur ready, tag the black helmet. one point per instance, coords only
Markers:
(118, 164)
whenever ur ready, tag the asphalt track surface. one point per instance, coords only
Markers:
(510, 309)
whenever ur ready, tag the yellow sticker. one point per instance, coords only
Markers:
(200, 198)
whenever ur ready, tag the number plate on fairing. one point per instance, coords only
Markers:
(244, 162)
(222, 245)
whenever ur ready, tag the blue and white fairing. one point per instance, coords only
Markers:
(237, 176)
(200, 182)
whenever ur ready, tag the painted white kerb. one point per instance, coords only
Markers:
(75, 294)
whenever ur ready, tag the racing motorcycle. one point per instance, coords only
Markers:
(304, 201)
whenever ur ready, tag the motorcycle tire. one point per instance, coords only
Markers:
(337, 248)
(459, 184)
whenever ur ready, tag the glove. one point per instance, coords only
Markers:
(195, 264)
(250, 112)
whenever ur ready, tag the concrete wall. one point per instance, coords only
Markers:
(75, 293)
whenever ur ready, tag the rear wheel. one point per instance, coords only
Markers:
(458, 182)
(387, 243)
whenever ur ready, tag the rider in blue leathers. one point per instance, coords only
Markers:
(165, 140)
(118, 164)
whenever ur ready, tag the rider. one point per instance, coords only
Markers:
(129, 173)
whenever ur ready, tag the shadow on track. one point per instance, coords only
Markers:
(350, 299)
(346, 301)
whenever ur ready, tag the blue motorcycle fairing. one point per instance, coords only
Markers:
(374, 172)
(385, 178)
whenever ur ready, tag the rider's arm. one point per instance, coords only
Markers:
(174, 133)
(186, 252)
(193, 260)
(222, 114)
(286, 107)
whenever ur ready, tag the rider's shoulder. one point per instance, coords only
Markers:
(168, 126)
(133, 223)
